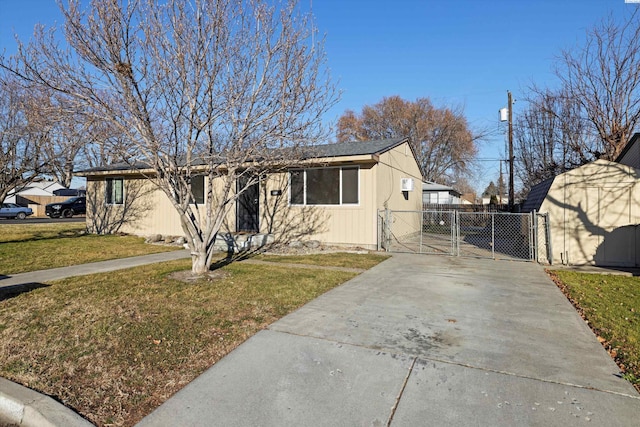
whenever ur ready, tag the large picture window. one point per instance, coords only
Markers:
(325, 186)
(114, 191)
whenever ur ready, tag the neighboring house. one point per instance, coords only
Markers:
(593, 211)
(486, 200)
(36, 189)
(334, 199)
(468, 199)
(439, 194)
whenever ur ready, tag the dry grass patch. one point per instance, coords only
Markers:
(115, 346)
(41, 246)
(337, 259)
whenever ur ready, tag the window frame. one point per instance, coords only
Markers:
(109, 196)
(193, 200)
(340, 186)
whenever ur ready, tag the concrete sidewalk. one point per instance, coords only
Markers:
(42, 276)
(418, 340)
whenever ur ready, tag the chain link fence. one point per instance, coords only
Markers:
(494, 235)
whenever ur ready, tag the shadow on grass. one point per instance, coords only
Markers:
(235, 257)
(64, 234)
(8, 292)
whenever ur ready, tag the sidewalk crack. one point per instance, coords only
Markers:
(404, 385)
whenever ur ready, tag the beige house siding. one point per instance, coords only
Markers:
(146, 209)
(394, 165)
(344, 225)
(594, 211)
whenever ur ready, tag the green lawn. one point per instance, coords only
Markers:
(32, 247)
(115, 346)
(611, 305)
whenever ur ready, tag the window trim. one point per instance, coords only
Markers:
(304, 186)
(108, 198)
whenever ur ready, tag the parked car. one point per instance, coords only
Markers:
(11, 210)
(68, 208)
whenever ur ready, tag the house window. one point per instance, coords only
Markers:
(114, 191)
(197, 189)
(325, 186)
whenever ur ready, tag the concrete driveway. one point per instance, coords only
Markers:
(418, 340)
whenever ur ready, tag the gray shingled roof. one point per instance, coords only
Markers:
(536, 196)
(633, 140)
(357, 148)
(341, 149)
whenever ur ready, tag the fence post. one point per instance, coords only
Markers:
(493, 235)
(421, 230)
(387, 228)
(548, 236)
(456, 232)
(533, 235)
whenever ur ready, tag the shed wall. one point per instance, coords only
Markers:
(594, 212)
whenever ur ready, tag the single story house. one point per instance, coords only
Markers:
(439, 194)
(334, 199)
(593, 213)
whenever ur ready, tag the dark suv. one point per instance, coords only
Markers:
(68, 208)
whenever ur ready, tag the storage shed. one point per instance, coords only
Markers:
(594, 212)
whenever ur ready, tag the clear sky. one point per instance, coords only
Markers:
(457, 52)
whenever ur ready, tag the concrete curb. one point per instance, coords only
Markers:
(22, 406)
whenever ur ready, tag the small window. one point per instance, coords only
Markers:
(114, 191)
(350, 186)
(197, 189)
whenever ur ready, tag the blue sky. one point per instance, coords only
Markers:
(464, 53)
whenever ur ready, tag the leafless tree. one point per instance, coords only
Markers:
(214, 87)
(22, 136)
(444, 144)
(602, 78)
(551, 137)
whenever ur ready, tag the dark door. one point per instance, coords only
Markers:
(247, 207)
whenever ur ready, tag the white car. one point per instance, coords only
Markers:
(11, 210)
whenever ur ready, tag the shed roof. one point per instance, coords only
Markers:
(627, 147)
(537, 195)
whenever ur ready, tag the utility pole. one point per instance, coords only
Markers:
(500, 185)
(511, 192)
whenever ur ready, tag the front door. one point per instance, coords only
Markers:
(247, 208)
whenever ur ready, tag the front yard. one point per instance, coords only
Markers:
(31, 247)
(611, 306)
(115, 346)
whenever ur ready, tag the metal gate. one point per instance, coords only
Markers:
(492, 235)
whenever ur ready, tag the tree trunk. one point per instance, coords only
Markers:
(199, 264)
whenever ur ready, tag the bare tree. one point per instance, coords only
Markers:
(551, 137)
(22, 136)
(444, 144)
(603, 79)
(215, 87)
